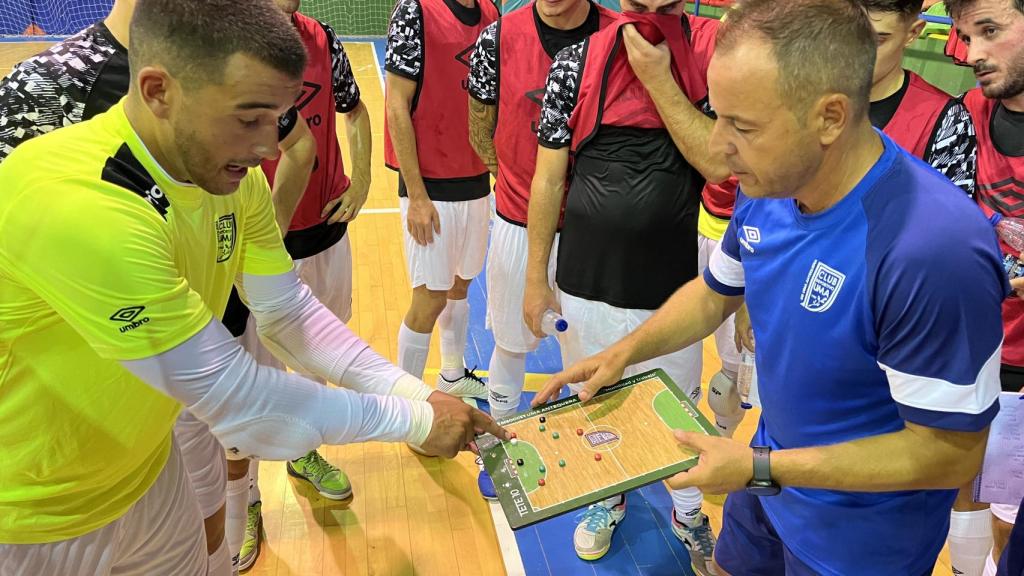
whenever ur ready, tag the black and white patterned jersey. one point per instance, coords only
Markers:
(483, 67)
(71, 81)
(560, 93)
(954, 147)
(404, 53)
(483, 63)
(346, 91)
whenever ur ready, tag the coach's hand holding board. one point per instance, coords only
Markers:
(724, 464)
(569, 453)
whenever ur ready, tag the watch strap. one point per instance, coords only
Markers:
(762, 464)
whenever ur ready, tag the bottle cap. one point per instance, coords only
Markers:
(561, 325)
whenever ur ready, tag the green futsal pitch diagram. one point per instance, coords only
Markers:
(568, 453)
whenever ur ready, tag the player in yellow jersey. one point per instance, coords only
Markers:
(122, 238)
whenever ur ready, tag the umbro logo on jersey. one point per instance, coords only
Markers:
(130, 316)
(821, 287)
(536, 96)
(225, 230)
(309, 91)
(463, 57)
(1006, 196)
(751, 235)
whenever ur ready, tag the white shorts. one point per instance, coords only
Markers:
(1005, 512)
(459, 249)
(725, 334)
(329, 277)
(595, 326)
(204, 461)
(506, 284)
(162, 533)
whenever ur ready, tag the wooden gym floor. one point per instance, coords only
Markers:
(409, 515)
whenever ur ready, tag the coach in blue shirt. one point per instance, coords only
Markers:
(874, 287)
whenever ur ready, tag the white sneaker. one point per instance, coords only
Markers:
(468, 386)
(593, 536)
(699, 542)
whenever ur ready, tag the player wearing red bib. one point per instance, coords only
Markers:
(628, 105)
(991, 33)
(443, 186)
(508, 69)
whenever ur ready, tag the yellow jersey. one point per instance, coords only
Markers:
(104, 257)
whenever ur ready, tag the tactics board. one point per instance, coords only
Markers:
(581, 453)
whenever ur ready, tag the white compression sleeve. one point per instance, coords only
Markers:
(304, 334)
(258, 411)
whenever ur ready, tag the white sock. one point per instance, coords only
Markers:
(687, 503)
(725, 402)
(613, 501)
(727, 424)
(413, 348)
(970, 540)
(453, 322)
(990, 565)
(505, 382)
(236, 513)
(254, 481)
(221, 563)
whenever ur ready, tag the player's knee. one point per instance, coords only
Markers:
(214, 530)
(238, 468)
(723, 398)
(459, 290)
(427, 304)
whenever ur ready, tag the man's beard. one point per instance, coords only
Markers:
(1011, 87)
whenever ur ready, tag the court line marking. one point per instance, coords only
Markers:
(377, 67)
(379, 211)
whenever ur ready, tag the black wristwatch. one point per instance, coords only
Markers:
(762, 484)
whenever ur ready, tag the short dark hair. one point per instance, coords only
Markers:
(820, 46)
(954, 7)
(193, 39)
(906, 8)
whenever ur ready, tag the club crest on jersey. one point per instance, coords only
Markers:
(226, 233)
(821, 287)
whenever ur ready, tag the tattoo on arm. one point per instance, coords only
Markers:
(482, 120)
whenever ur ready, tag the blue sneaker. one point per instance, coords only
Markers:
(484, 482)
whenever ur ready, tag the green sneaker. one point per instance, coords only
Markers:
(253, 538)
(328, 480)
